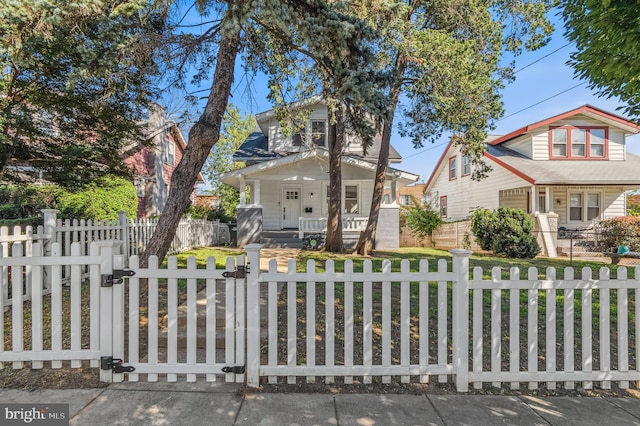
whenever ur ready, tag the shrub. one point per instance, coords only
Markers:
(420, 219)
(25, 201)
(506, 231)
(620, 231)
(100, 200)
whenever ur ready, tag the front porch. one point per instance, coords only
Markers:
(577, 207)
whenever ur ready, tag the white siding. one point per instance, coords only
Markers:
(535, 144)
(279, 143)
(612, 199)
(616, 144)
(540, 142)
(311, 177)
(464, 193)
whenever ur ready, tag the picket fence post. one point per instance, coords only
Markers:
(253, 314)
(123, 222)
(49, 225)
(107, 251)
(460, 321)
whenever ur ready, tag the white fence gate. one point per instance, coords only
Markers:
(243, 325)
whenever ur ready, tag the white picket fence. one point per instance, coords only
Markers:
(133, 233)
(442, 321)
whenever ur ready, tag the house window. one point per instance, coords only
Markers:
(443, 207)
(452, 168)
(571, 142)
(405, 200)
(593, 206)
(577, 207)
(319, 133)
(297, 139)
(559, 140)
(596, 145)
(351, 199)
(171, 153)
(466, 165)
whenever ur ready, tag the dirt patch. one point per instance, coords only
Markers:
(49, 378)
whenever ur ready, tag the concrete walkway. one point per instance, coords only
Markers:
(224, 404)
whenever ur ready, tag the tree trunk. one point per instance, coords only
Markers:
(333, 242)
(204, 134)
(368, 236)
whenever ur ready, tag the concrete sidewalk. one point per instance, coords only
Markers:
(224, 404)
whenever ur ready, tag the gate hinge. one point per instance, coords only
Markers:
(115, 364)
(108, 280)
(238, 369)
(240, 272)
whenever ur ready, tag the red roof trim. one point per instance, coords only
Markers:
(579, 110)
(510, 168)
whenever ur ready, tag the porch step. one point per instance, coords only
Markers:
(281, 243)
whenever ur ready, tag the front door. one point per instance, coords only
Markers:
(290, 207)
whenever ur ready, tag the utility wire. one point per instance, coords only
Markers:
(544, 100)
(506, 116)
(541, 58)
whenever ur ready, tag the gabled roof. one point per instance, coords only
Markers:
(574, 172)
(546, 172)
(588, 110)
(321, 153)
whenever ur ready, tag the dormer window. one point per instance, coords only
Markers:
(319, 133)
(578, 143)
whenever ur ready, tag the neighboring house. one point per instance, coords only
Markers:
(288, 177)
(154, 161)
(574, 164)
(407, 194)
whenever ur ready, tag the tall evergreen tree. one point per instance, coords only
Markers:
(75, 78)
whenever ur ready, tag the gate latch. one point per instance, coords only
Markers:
(240, 272)
(108, 280)
(238, 369)
(115, 364)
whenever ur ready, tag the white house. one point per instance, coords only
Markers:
(574, 164)
(288, 177)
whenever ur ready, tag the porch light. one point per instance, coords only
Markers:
(311, 195)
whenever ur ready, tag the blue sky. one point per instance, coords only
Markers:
(537, 93)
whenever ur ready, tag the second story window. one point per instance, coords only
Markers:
(571, 142)
(297, 139)
(466, 165)
(319, 133)
(171, 153)
(452, 168)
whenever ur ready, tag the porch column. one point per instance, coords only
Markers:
(534, 200)
(393, 191)
(548, 200)
(256, 192)
(243, 190)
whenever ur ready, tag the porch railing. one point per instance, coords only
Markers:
(314, 225)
